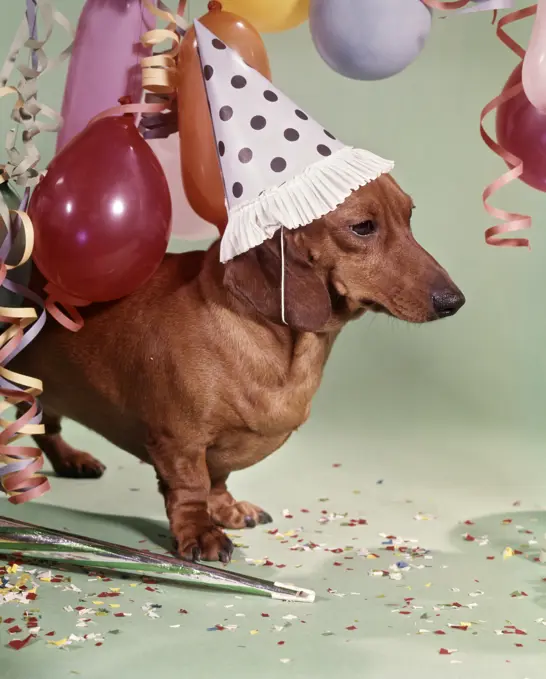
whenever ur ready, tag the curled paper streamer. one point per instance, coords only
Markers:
(159, 72)
(512, 220)
(160, 82)
(43, 544)
(21, 464)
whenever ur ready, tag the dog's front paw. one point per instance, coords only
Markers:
(207, 544)
(239, 515)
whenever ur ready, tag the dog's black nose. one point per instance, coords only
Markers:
(447, 302)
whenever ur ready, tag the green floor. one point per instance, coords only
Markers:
(380, 625)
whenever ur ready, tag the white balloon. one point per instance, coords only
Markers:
(186, 224)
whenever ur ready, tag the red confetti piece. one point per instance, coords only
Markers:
(305, 511)
(520, 631)
(274, 531)
(14, 630)
(50, 634)
(405, 612)
(99, 643)
(337, 563)
(31, 596)
(119, 615)
(439, 631)
(280, 643)
(445, 651)
(150, 589)
(336, 465)
(281, 565)
(351, 628)
(220, 628)
(469, 538)
(268, 563)
(469, 523)
(102, 595)
(519, 645)
(79, 608)
(183, 611)
(9, 620)
(464, 628)
(265, 615)
(490, 558)
(18, 644)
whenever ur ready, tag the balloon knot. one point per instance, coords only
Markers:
(215, 6)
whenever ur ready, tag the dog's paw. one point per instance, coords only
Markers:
(78, 465)
(240, 515)
(211, 544)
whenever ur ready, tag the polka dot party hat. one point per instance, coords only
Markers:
(280, 167)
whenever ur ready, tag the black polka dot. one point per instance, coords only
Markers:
(278, 164)
(301, 115)
(208, 71)
(291, 134)
(237, 189)
(226, 112)
(218, 44)
(329, 134)
(324, 150)
(270, 96)
(238, 82)
(221, 148)
(258, 123)
(245, 155)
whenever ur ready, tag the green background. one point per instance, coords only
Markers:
(449, 414)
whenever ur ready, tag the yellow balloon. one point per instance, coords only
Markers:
(270, 16)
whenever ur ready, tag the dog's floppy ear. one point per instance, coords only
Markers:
(255, 277)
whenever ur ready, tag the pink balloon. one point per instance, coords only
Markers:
(521, 129)
(105, 62)
(186, 223)
(534, 64)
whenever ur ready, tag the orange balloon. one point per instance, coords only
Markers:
(201, 173)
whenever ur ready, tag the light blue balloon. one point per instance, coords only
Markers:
(369, 39)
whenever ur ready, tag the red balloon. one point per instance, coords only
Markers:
(102, 213)
(521, 129)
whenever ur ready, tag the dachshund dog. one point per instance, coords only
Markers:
(196, 372)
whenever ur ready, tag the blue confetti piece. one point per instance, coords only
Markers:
(212, 629)
(402, 564)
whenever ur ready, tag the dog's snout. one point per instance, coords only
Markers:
(447, 302)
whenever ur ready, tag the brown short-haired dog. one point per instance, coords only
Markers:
(197, 374)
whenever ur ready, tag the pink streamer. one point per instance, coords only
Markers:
(513, 221)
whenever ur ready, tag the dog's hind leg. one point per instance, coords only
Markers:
(65, 460)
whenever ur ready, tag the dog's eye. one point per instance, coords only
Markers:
(364, 228)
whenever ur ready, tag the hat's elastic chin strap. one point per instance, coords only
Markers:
(283, 317)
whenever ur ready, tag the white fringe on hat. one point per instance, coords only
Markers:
(320, 189)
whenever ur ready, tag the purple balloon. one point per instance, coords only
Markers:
(521, 130)
(105, 62)
(369, 39)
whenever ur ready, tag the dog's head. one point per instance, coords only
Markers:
(360, 257)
